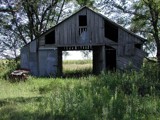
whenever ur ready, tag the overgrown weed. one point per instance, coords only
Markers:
(130, 95)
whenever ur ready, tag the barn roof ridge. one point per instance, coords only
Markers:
(111, 21)
(106, 18)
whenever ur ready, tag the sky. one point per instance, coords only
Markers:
(76, 55)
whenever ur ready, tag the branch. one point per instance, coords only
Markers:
(5, 10)
(150, 60)
(49, 8)
(15, 9)
(13, 15)
(124, 10)
(60, 12)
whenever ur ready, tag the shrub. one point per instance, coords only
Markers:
(8, 66)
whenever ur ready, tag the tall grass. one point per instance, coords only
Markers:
(126, 95)
(77, 68)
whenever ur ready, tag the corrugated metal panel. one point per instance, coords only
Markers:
(33, 63)
(48, 62)
(29, 58)
(25, 57)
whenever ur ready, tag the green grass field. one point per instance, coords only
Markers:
(77, 68)
(109, 96)
(73, 65)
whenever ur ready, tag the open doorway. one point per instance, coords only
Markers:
(77, 63)
(110, 58)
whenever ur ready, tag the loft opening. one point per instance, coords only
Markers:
(50, 38)
(82, 20)
(139, 46)
(111, 31)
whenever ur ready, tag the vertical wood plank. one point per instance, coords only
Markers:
(77, 27)
(61, 34)
(57, 35)
(74, 30)
(64, 33)
(93, 28)
(88, 25)
(101, 30)
(68, 31)
(103, 58)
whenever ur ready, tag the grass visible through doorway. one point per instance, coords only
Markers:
(77, 68)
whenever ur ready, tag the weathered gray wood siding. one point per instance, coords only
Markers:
(67, 32)
(128, 54)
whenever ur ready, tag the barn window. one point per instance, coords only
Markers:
(139, 46)
(111, 31)
(82, 20)
(50, 38)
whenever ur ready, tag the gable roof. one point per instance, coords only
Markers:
(104, 17)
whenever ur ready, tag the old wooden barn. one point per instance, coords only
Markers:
(113, 46)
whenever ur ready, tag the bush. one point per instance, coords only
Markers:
(8, 66)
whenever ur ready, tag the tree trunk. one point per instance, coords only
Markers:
(157, 40)
(158, 53)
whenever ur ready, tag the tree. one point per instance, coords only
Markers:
(86, 54)
(147, 21)
(88, 3)
(144, 17)
(65, 54)
(26, 20)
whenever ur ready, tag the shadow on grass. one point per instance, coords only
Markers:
(11, 113)
(9, 101)
(77, 73)
(9, 110)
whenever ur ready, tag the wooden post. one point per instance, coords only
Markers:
(103, 58)
(59, 67)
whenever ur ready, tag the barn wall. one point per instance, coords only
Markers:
(29, 57)
(128, 54)
(25, 57)
(60, 62)
(48, 62)
(67, 32)
(96, 27)
(33, 58)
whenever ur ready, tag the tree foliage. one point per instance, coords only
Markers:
(24, 20)
(147, 21)
(88, 3)
(142, 17)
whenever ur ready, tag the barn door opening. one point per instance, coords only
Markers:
(110, 58)
(75, 61)
(78, 63)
